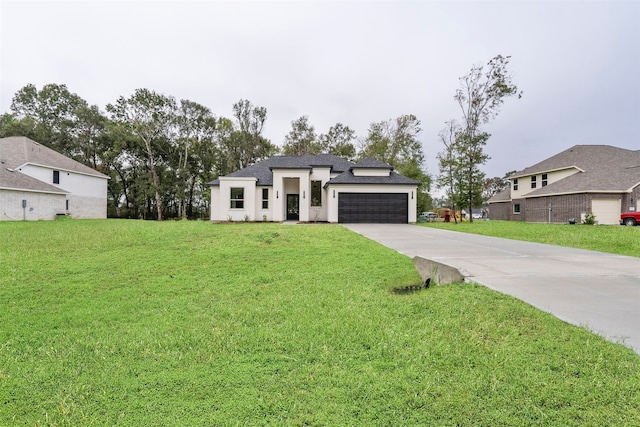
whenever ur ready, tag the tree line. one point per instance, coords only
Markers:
(160, 153)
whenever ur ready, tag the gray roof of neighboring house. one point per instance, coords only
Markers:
(16, 151)
(601, 168)
(14, 180)
(263, 170)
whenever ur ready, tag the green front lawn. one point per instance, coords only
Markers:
(138, 323)
(613, 239)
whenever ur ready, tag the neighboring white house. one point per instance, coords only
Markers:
(38, 183)
(310, 188)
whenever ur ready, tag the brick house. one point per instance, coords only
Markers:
(598, 179)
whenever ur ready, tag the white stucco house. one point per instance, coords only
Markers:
(38, 183)
(315, 188)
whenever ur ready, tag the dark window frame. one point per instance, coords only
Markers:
(56, 177)
(265, 198)
(515, 184)
(516, 208)
(237, 199)
(316, 193)
(545, 179)
(534, 181)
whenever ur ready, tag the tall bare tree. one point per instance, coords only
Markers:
(480, 95)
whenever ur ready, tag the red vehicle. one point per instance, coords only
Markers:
(630, 218)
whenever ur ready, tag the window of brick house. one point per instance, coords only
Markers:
(515, 184)
(516, 208)
(533, 181)
(544, 179)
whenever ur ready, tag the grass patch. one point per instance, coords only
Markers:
(604, 238)
(190, 323)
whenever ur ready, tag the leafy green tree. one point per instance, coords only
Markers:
(339, 141)
(10, 125)
(480, 95)
(396, 143)
(149, 117)
(241, 141)
(54, 111)
(448, 164)
(493, 186)
(301, 139)
(470, 154)
(90, 136)
(60, 120)
(196, 131)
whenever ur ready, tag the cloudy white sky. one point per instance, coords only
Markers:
(354, 62)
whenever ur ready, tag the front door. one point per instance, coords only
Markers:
(293, 206)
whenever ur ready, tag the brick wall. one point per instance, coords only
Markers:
(40, 206)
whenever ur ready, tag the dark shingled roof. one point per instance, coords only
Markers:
(394, 178)
(263, 170)
(370, 163)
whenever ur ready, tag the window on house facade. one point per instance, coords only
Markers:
(56, 177)
(533, 181)
(316, 193)
(544, 179)
(237, 198)
(516, 208)
(265, 198)
(515, 184)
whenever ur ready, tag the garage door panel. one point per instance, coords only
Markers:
(606, 211)
(373, 208)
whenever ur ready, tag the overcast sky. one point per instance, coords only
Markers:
(353, 62)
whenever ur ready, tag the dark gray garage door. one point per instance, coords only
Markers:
(373, 208)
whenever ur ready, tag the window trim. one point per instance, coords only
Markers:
(237, 202)
(265, 198)
(516, 209)
(534, 181)
(515, 184)
(545, 180)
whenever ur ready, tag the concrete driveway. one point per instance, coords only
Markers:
(592, 289)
